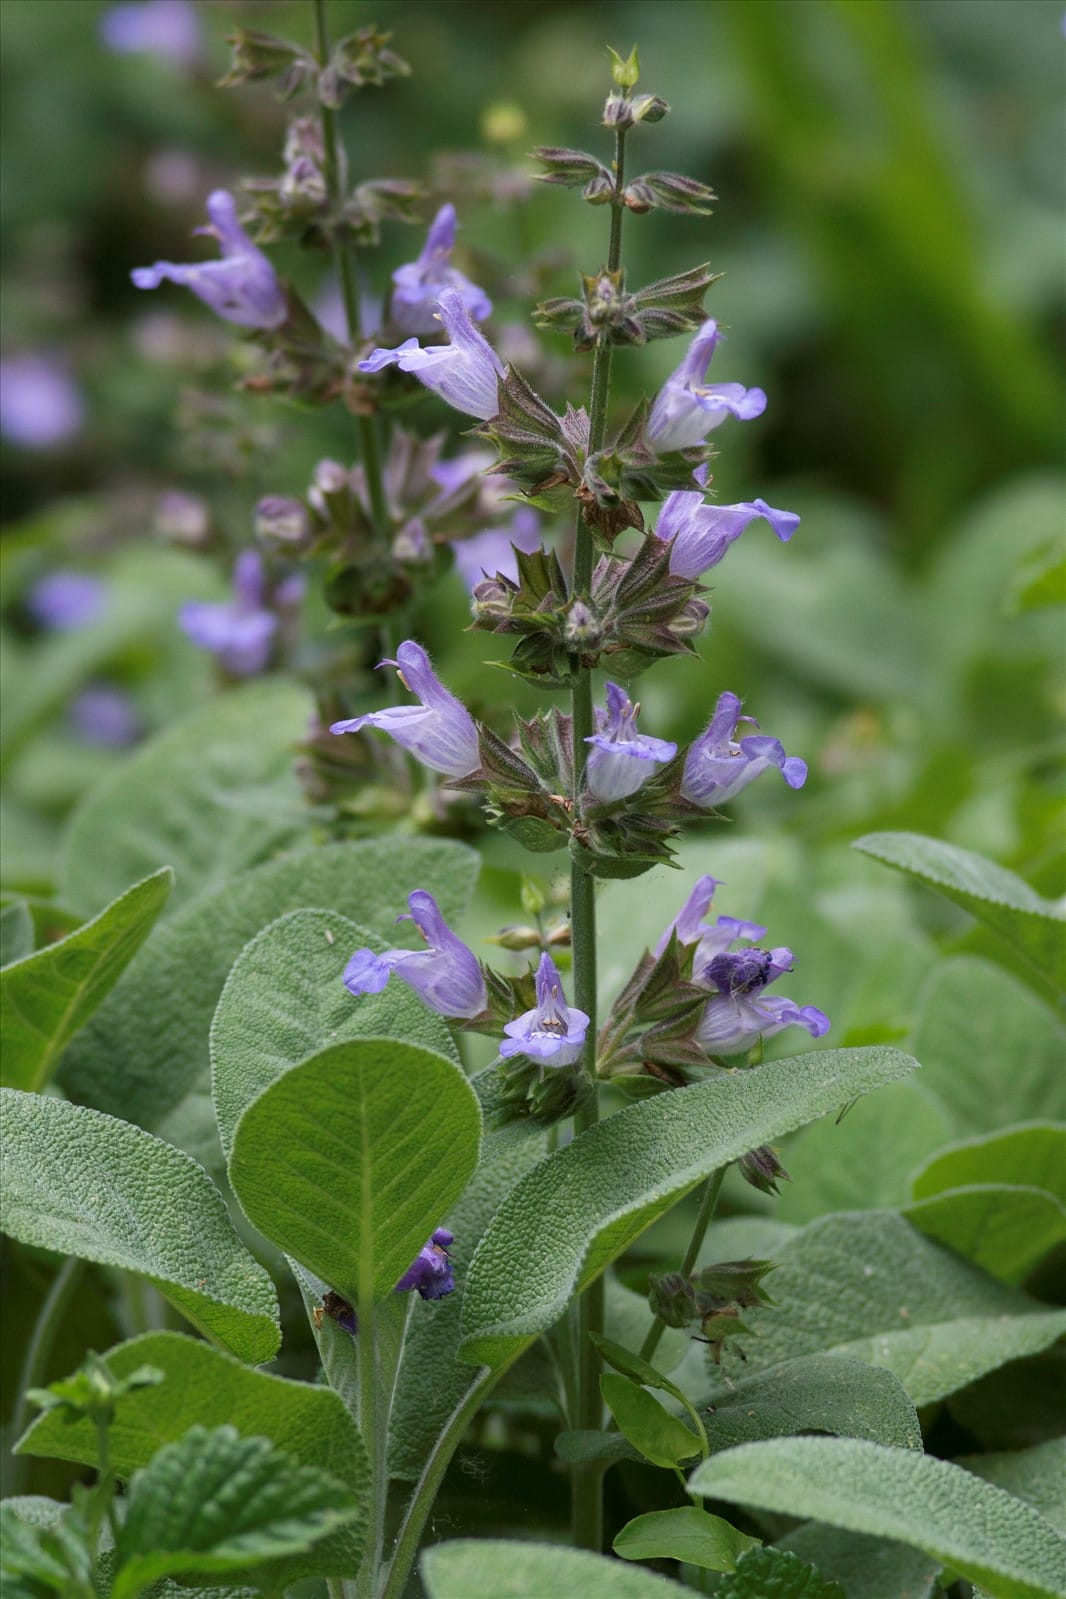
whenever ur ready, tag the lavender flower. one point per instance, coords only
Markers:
(430, 1271)
(40, 405)
(493, 550)
(691, 926)
(621, 759)
(169, 28)
(716, 768)
(418, 285)
(739, 1012)
(686, 408)
(439, 732)
(243, 287)
(700, 534)
(64, 601)
(552, 1033)
(239, 634)
(445, 975)
(464, 372)
(104, 715)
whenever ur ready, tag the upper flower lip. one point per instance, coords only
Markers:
(242, 287)
(440, 732)
(465, 372)
(686, 408)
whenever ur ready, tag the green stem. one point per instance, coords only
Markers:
(371, 1429)
(707, 1208)
(37, 1356)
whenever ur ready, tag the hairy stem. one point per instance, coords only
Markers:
(707, 1208)
(38, 1352)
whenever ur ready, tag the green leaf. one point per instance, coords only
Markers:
(978, 1530)
(641, 1371)
(89, 1185)
(497, 1568)
(991, 1052)
(867, 1285)
(815, 1393)
(660, 1437)
(1036, 1475)
(866, 1568)
(16, 932)
(205, 1387)
(603, 1189)
(1032, 1154)
(776, 1572)
(40, 1558)
(46, 998)
(212, 795)
(688, 1534)
(145, 1054)
(215, 1502)
(1006, 1229)
(285, 1000)
(1004, 902)
(1040, 581)
(350, 1160)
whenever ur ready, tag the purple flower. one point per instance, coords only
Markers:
(740, 1012)
(104, 715)
(239, 634)
(445, 975)
(464, 372)
(552, 1033)
(493, 550)
(716, 768)
(169, 28)
(691, 927)
(686, 408)
(439, 732)
(418, 286)
(40, 405)
(621, 760)
(65, 601)
(430, 1271)
(700, 534)
(243, 287)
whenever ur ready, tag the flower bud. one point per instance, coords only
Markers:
(672, 1299)
(491, 601)
(182, 519)
(282, 521)
(582, 631)
(762, 1169)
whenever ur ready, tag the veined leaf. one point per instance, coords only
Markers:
(1032, 1154)
(688, 1534)
(497, 1568)
(865, 1567)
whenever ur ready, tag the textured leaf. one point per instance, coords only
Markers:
(866, 1284)
(350, 1160)
(145, 1054)
(599, 1192)
(866, 1568)
(89, 1185)
(1032, 1155)
(45, 998)
(991, 1052)
(660, 1437)
(689, 1534)
(496, 1568)
(816, 1393)
(217, 1502)
(16, 932)
(211, 796)
(978, 1530)
(1034, 926)
(285, 1000)
(776, 1574)
(1036, 1475)
(204, 1387)
(1003, 1228)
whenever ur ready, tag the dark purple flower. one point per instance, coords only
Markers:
(700, 534)
(243, 287)
(552, 1033)
(740, 1012)
(445, 975)
(418, 286)
(103, 714)
(493, 551)
(430, 1271)
(439, 732)
(716, 768)
(621, 760)
(464, 372)
(40, 405)
(686, 408)
(65, 601)
(169, 28)
(239, 634)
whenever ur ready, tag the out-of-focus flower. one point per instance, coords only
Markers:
(717, 768)
(552, 1033)
(242, 287)
(493, 550)
(182, 518)
(621, 760)
(430, 1272)
(700, 534)
(103, 714)
(64, 601)
(445, 974)
(168, 28)
(464, 372)
(40, 404)
(241, 634)
(686, 409)
(440, 732)
(418, 285)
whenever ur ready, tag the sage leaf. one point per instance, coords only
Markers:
(499, 1568)
(688, 1534)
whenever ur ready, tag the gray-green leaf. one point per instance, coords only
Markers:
(16, 932)
(816, 1393)
(1005, 1228)
(1032, 1154)
(659, 1437)
(496, 1568)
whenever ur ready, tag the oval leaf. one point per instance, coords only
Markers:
(45, 998)
(817, 1393)
(978, 1530)
(350, 1160)
(1032, 1155)
(688, 1534)
(660, 1437)
(90, 1185)
(603, 1189)
(1006, 1230)
(491, 1568)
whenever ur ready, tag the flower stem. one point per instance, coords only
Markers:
(38, 1352)
(586, 1504)
(369, 442)
(707, 1208)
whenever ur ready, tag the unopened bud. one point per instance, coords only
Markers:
(672, 1299)
(600, 189)
(603, 296)
(303, 187)
(762, 1169)
(412, 543)
(582, 630)
(622, 112)
(736, 1282)
(182, 519)
(490, 601)
(282, 521)
(304, 138)
(516, 938)
(691, 619)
